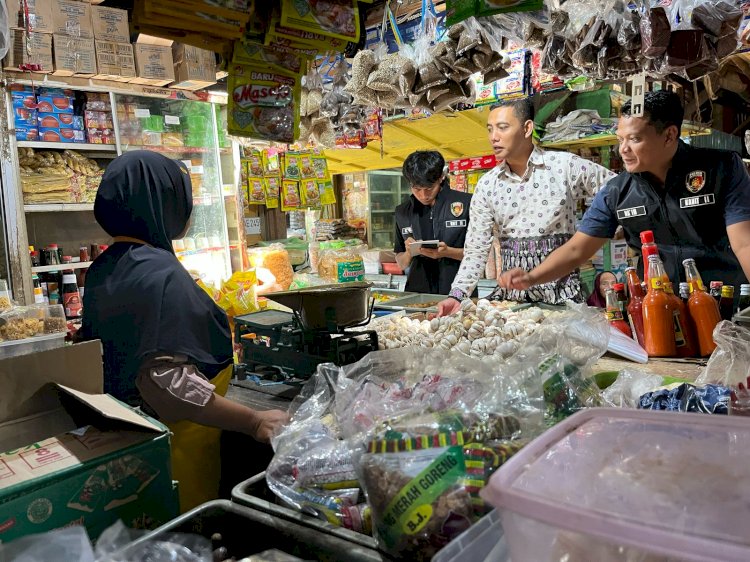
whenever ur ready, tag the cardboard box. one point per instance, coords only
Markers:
(40, 47)
(73, 19)
(153, 64)
(71, 455)
(194, 68)
(115, 61)
(25, 117)
(74, 56)
(54, 103)
(53, 134)
(40, 15)
(110, 24)
(145, 39)
(60, 121)
(27, 133)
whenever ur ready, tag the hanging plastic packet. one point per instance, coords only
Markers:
(259, 55)
(263, 105)
(458, 10)
(278, 33)
(271, 188)
(327, 193)
(320, 164)
(290, 169)
(255, 163)
(307, 170)
(309, 194)
(290, 200)
(255, 193)
(244, 164)
(333, 18)
(271, 164)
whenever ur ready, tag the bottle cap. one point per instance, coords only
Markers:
(31, 249)
(716, 284)
(52, 246)
(727, 291)
(745, 288)
(630, 268)
(619, 286)
(647, 237)
(689, 261)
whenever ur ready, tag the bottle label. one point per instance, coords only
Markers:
(72, 304)
(679, 334)
(613, 315)
(657, 283)
(696, 285)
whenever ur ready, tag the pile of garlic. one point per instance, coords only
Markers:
(478, 330)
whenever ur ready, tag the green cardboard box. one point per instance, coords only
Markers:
(77, 458)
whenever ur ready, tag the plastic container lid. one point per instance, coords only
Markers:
(716, 284)
(745, 289)
(671, 483)
(647, 237)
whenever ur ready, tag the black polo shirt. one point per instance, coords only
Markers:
(447, 221)
(706, 191)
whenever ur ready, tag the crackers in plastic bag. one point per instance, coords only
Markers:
(263, 105)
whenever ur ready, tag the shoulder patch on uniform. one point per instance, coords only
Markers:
(457, 208)
(695, 181)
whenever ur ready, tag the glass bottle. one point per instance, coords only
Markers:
(684, 292)
(648, 249)
(38, 291)
(614, 314)
(71, 296)
(703, 309)
(622, 300)
(635, 306)
(684, 333)
(744, 297)
(658, 314)
(726, 304)
(715, 289)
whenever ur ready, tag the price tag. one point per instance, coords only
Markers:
(252, 225)
(171, 120)
(141, 113)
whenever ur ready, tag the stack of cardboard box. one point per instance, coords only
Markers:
(73, 40)
(34, 48)
(114, 53)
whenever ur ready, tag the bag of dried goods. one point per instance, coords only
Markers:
(341, 265)
(275, 259)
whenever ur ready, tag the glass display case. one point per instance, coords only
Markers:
(186, 131)
(387, 189)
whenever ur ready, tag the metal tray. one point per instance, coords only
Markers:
(397, 295)
(418, 298)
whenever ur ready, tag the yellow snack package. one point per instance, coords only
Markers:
(307, 169)
(271, 185)
(280, 34)
(238, 293)
(327, 193)
(309, 194)
(244, 166)
(260, 55)
(256, 195)
(291, 166)
(263, 105)
(332, 18)
(321, 167)
(290, 195)
(255, 162)
(271, 162)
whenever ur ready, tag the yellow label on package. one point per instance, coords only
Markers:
(256, 195)
(272, 192)
(321, 168)
(263, 105)
(325, 43)
(290, 195)
(255, 163)
(333, 18)
(310, 194)
(256, 53)
(307, 170)
(291, 166)
(327, 193)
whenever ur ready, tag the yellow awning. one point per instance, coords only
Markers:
(462, 134)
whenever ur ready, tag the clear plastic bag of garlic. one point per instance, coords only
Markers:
(485, 329)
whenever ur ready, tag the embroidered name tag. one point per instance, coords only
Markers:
(406, 230)
(455, 224)
(632, 212)
(697, 201)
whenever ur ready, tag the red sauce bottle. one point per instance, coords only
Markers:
(635, 306)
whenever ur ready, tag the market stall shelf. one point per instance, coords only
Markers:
(74, 265)
(57, 207)
(79, 146)
(610, 139)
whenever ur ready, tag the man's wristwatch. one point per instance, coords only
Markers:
(457, 294)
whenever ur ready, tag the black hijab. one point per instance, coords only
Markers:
(139, 299)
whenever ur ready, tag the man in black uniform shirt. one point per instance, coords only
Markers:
(432, 212)
(695, 200)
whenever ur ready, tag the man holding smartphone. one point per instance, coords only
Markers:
(435, 213)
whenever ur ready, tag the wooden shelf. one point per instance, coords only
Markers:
(68, 146)
(57, 207)
(74, 265)
(609, 139)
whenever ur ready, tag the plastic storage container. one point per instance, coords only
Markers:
(609, 484)
(484, 541)
(255, 493)
(29, 329)
(245, 532)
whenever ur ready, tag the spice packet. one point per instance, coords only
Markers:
(271, 162)
(307, 170)
(327, 193)
(271, 185)
(332, 18)
(255, 163)
(262, 104)
(290, 200)
(257, 54)
(309, 194)
(256, 195)
(320, 164)
(291, 169)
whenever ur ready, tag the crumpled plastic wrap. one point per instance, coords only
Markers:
(729, 364)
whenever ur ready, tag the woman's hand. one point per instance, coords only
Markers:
(268, 423)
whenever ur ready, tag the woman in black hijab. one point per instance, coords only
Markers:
(167, 346)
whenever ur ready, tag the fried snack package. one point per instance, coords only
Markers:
(333, 18)
(271, 162)
(320, 164)
(290, 200)
(255, 163)
(327, 193)
(271, 188)
(238, 293)
(309, 194)
(256, 194)
(263, 105)
(275, 259)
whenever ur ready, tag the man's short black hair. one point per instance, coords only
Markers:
(523, 108)
(662, 109)
(424, 168)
